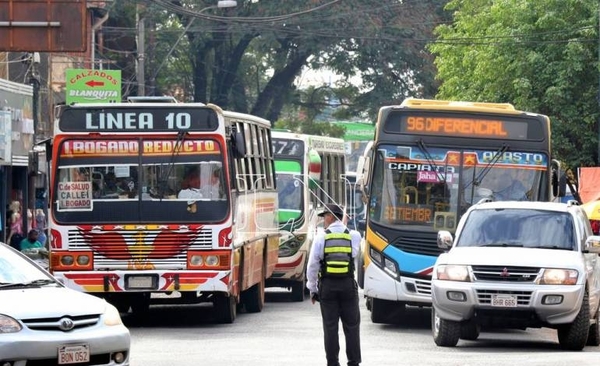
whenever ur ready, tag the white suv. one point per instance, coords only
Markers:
(518, 265)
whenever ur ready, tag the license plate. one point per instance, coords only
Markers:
(140, 282)
(505, 301)
(73, 354)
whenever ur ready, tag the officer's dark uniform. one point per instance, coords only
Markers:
(338, 293)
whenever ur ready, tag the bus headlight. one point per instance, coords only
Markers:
(196, 260)
(290, 247)
(212, 260)
(388, 265)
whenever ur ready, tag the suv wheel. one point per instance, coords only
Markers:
(594, 335)
(574, 336)
(469, 331)
(445, 332)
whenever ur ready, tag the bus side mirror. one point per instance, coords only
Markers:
(239, 147)
(561, 187)
(362, 225)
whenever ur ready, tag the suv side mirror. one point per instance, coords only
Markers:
(592, 244)
(444, 240)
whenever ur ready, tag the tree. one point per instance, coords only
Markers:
(538, 55)
(249, 57)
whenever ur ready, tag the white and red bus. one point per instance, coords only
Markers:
(121, 226)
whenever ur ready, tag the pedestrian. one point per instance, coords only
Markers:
(331, 282)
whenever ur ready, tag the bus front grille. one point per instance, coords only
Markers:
(118, 249)
(416, 245)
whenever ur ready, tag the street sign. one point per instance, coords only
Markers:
(43, 25)
(93, 86)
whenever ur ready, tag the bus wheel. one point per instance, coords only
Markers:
(298, 290)
(121, 303)
(254, 297)
(140, 304)
(225, 308)
(360, 270)
(386, 311)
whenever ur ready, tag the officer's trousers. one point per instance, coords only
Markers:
(339, 301)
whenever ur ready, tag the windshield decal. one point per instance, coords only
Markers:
(74, 196)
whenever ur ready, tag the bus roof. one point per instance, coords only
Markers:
(449, 105)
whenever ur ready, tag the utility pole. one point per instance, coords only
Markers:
(29, 191)
(141, 53)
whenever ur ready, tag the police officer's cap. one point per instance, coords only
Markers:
(333, 209)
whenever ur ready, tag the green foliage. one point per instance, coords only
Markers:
(241, 61)
(541, 56)
(310, 127)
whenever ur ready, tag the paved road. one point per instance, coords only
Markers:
(289, 333)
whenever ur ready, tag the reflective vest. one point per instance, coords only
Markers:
(337, 256)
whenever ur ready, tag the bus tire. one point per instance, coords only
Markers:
(254, 297)
(140, 305)
(298, 290)
(386, 311)
(225, 308)
(360, 270)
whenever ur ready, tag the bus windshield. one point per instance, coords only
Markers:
(116, 181)
(427, 189)
(289, 188)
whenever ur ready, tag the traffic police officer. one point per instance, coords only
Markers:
(330, 275)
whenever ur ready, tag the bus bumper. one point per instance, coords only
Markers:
(146, 281)
(380, 285)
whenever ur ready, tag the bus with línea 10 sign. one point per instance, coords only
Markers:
(430, 161)
(163, 202)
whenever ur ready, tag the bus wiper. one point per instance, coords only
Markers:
(34, 283)
(477, 180)
(429, 158)
(162, 183)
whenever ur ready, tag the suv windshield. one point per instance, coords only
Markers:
(518, 227)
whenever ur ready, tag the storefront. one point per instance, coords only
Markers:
(18, 181)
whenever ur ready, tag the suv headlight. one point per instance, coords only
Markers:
(448, 272)
(556, 276)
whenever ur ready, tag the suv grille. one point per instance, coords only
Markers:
(484, 297)
(505, 273)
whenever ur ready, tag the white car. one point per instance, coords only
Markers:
(518, 265)
(44, 322)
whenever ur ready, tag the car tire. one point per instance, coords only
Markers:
(386, 311)
(446, 333)
(574, 336)
(594, 334)
(469, 331)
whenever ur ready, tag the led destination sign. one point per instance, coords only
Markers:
(464, 125)
(146, 119)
